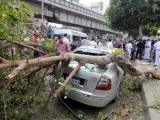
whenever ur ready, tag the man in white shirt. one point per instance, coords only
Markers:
(110, 44)
(129, 48)
(100, 42)
(93, 43)
(147, 50)
(65, 38)
(157, 51)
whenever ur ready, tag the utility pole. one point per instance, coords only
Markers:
(42, 11)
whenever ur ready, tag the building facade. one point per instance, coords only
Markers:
(77, 1)
(97, 6)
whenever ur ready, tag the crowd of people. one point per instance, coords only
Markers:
(144, 50)
(137, 49)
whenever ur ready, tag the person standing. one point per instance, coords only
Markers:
(50, 32)
(65, 39)
(35, 42)
(143, 50)
(152, 53)
(157, 51)
(93, 43)
(100, 42)
(82, 42)
(147, 50)
(118, 44)
(61, 45)
(139, 49)
(110, 44)
(133, 49)
(40, 40)
(129, 49)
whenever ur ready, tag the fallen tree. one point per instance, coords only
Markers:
(124, 63)
(22, 81)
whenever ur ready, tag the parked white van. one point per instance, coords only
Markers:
(73, 36)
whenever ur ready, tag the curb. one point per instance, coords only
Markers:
(150, 93)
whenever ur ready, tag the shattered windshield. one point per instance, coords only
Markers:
(93, 67)
(90, 53)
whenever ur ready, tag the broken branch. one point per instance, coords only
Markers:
(60, 90)
(15, 72)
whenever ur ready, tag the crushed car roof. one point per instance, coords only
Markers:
(95, 49)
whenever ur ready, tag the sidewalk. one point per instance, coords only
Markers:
(150, 94)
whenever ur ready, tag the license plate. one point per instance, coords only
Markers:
(75, 81)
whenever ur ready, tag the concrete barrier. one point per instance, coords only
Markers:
(150, 94)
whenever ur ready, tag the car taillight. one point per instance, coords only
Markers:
(104, 84)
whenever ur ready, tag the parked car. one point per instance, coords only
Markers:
(94, 85)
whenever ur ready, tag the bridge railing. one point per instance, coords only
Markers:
(74, 7)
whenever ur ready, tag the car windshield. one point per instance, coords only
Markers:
(89, 53)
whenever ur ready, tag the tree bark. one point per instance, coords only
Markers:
(140, 32)
(23, 45)
(29, 47)
(124, 63)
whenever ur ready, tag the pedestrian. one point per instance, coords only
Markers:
(118, 44)
(147, 50)
(50, 32)
(65, 38)
(143, 50)
(109, 43)
(139, 49)
(82, 42)
(157, 51)
(133, 49)
(152, 53)
(93, 43)
(40, 40)
(61, 45)
(24, 49)
(129, 48)
(35, 42)
(100, 42)
(124, 46)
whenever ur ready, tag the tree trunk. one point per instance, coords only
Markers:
(124, 63)
(140, 32)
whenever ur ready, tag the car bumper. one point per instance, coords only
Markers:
(89, 99)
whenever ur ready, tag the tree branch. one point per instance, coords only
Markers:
(124, 63)
(29, 47)
(60, 90)
(15, 72)
(23, 45)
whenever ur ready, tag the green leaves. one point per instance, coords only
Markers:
(48, 44)
(117, 51)
(14, 16)
(157, 106)
(127, 15)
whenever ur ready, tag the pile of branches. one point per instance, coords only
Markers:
(48, 65)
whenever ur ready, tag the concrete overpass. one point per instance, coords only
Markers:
(69, 13)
